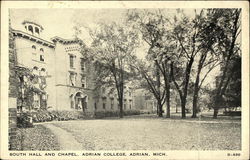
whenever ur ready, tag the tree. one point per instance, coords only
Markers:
(228, 20)
(113, 48)
(149, 82)
(154, 31)
(208, 59)
(187, 34)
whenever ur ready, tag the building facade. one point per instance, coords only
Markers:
(62, 76)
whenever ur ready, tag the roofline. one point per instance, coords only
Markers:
(66, 41)
(33, 38)
(34, 23)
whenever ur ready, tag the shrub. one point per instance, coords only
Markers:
(44, 115)
(102, 114)
(24, 120)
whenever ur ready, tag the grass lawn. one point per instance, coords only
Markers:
(155, 134)
(36, 138)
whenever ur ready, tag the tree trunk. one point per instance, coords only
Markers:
(187, 77)
(195, 100)
(168, 97)
(159, 106)
(121, 107)
(216, 110)
(168, 103)
(183, 107)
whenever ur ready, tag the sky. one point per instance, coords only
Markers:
(60, 22)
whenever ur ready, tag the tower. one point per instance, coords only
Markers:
(33, 28)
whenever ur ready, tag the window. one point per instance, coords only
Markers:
(30, 28)
(42, 58)
(42, 72)
(112, 103)
(82, 64)
(71, 61)
(83, 80)
(104, 102)
(36, 102)
(36, 30)
(72, 79)
(125, 105)
(35, 70)
(41, 50)
(130, 104)
(95, 106)
(33, 47)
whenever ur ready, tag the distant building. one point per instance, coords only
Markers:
(144, 101)
(108, 99)
(62, 76)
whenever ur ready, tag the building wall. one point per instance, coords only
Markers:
(106, 97)
(145, 101)
(29, 57)
(12, 101)
(64, 87)
(61, 91)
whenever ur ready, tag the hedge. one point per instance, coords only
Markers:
(102, 114)
(44, 115)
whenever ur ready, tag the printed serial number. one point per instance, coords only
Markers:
(233, 154)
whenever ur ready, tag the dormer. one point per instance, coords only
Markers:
(32, 28)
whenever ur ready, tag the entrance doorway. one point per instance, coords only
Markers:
(79, 102)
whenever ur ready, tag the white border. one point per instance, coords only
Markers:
(5, 5)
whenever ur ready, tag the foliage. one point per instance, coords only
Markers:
(113, 47)
(44, 115)
(229, 22)
(36, 138)
(24, 120)
(103, 114)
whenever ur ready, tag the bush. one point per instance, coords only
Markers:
(131, 112)
(45, 116)
(24, 120)
(102, 114)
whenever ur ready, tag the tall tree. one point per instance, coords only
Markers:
(229, 22)
(113, 47)
(187, 35)
(148, 80)
(208, 59)
(152, 26)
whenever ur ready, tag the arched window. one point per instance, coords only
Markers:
(33, 47)
(43, 72)
(36, 30)
(30, 28)
(41, 49)
(35, 68)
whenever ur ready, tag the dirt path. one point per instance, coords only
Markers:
(65, 139)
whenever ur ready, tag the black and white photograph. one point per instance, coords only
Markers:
(126, 82)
